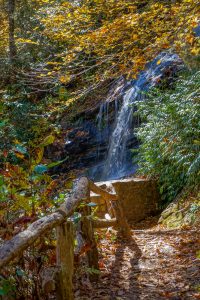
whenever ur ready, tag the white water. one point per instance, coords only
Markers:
(116, 159)
(118, 162)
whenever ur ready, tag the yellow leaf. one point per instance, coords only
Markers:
(64, 79)
(47, 141)
(16, 142)
(195, 51)
(39, 154)
(19, 155)
(26, 41)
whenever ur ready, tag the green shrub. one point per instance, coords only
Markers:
(170, 135)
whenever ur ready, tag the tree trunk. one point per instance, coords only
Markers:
(11, 24)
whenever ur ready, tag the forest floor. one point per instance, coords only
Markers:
(155, 264)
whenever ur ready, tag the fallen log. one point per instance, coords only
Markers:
(15, 247)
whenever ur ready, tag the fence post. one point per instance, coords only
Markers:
(65, 261)
(88, 232)
(121, 219)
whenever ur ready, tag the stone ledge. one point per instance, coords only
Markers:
(139, 197)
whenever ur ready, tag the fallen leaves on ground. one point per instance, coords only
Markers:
(155, 264)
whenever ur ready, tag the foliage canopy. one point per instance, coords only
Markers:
(107, 38)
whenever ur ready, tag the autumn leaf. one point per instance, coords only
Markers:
(19, 155)
(47, 141)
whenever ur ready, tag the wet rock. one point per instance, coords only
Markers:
(84, 144)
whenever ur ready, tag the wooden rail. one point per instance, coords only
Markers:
(60, 220)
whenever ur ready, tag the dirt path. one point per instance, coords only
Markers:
(155, 264)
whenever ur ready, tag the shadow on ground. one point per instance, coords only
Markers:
(155, 264)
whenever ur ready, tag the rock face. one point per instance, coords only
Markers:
(183, 211)
(99, 139)
(139, 197)
(86, 141)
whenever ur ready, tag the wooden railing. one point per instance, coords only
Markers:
(60, 219)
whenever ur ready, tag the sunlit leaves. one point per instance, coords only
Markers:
(119, 38)
(3, 29)
(48, 141)
(26, 41)
(170, 136)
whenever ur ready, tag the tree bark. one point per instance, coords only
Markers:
(104, 194)
(11, 26)
(65, 261)
(15, 247)
(121, 220)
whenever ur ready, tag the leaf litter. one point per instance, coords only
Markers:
(155, 264)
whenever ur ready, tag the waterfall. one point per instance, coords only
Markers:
(115, 121)
(117, 156)
(102, 125)
(118, 161)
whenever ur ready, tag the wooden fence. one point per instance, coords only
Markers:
(60, 219)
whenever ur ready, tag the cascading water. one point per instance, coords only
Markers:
(102, 122)
(118, 161)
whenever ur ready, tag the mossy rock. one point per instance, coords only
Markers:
(180, 213)
(172, 208)
(174, 221)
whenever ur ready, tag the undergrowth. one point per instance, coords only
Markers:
(170, 136)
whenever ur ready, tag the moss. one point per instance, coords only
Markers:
(185, 211)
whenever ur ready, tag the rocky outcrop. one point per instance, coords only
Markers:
(99, 137)
(86, 141)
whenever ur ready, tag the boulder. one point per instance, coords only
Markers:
(183, 211)
(139, 197)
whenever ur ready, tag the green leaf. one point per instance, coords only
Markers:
(40, 169)
(93, 271)
(76, 218)
(2, 292)
(47, 141)
(6, 286)
(161, 189)
(198, 254)
(36, 177)
(21, 149)
(20, 272)
(3, 123)
(56, 163)
(91, 204)
(1, 180)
